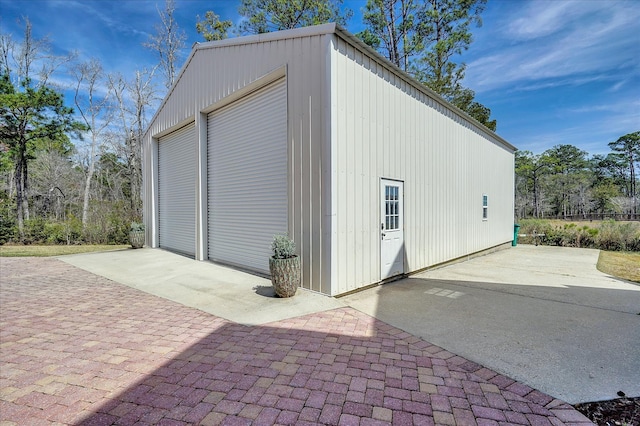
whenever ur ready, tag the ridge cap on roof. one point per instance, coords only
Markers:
(313, 30)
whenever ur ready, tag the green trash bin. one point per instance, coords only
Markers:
(516, 229)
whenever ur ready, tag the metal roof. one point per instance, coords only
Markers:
(330, 28)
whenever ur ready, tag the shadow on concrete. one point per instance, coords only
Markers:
(265, 290)
(577, 343)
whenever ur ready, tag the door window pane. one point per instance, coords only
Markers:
(392, 208)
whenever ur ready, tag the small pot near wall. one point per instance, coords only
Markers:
(136, 235)
(284, 266)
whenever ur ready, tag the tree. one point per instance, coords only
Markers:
(32, 114)
(530, 171)
(263, 16)
(444, 26)
(566, 164)
(56, 183)
(112, 175)
(30, 60)
(422, 38)
(167, 42)
(392, 27)
(628, 149)
(29, 115)
(95, 112)
(132, 100)
(609, 170)
(603, 194)
(211, 27)
(464, 99)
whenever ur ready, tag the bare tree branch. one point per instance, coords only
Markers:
(167, 42)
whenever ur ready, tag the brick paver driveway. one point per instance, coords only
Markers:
(76, 348)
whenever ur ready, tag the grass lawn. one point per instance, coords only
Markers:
(625, 265)
(45, 251)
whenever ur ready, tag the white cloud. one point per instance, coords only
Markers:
(104, 15)
(594, 108)
(550, 83)
(540, 19)
(559, 40)
(617, 86)
(589, 127)
(623, 106)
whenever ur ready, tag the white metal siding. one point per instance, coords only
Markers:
(176, 190)
(247, 181)
(236, 64)
(352, 120)
(384, 127)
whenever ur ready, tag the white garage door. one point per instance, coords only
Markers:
(177, 190)
(247, 177)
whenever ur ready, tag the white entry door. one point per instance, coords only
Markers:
(391, 228)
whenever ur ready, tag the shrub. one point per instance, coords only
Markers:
(607, 235)
(109, 223)
(586, 237)
(118, 231)
(283, 247)
(93, 233)
(41, 231)
(629, 236)
(7, 219)
(67, 232)
(531, 227)
(34, 230)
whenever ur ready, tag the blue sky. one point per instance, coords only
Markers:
(552, 71)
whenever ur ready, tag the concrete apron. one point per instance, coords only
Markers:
(544, 316)
(225, 292)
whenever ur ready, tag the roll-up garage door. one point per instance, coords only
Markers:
(247, 177)
(177, 190)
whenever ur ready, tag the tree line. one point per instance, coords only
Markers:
(68, 173)
(565, 182)
(70, 169)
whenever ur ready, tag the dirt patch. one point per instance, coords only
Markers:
(622, 411)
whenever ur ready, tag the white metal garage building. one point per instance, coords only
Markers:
(310, 132)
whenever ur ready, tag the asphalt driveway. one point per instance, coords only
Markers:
(541, 315)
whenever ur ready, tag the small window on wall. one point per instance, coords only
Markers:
(485, 207)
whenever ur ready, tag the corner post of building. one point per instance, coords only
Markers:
(201, 187)
(150, 209)
(329, 283)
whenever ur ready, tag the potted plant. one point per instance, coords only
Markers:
(284, 266)
(136, 235)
